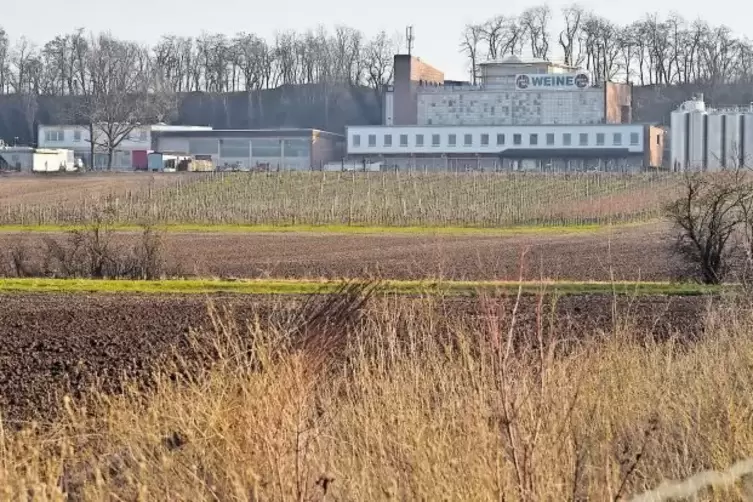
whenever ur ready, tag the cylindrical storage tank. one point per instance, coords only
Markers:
(747, 135)
(696, 141)
(732, 142)
(714, 141)
(678, 139)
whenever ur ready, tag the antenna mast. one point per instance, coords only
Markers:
(409, 38)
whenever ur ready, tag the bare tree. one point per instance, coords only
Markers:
(469, 42)
(535, 21)
(4, 70)
(119, 99)
(570, 39)
(378, 61)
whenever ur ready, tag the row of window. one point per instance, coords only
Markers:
(59, 135)
(517, 139)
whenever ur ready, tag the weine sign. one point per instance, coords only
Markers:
(551, 81)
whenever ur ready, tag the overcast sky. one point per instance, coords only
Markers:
(437, 24)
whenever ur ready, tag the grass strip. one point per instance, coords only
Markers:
(281, 286)
(338, 229)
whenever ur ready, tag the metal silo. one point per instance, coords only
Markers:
(679, 138)
(697, 140)
(732, 143)
(747, 135)
(714, 140)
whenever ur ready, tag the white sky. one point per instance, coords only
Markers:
(437, 24)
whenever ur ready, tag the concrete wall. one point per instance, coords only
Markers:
(447, 106)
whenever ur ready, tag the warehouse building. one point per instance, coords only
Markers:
(29, 159)
(605, 147)
(511, 92)
(710, 139)
(130, 153)
(256, 149)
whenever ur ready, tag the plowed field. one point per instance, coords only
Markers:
(54, 344)
(635, 253)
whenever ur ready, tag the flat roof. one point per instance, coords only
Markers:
(247, 133)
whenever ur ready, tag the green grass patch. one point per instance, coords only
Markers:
(279, 286)
(336, 229)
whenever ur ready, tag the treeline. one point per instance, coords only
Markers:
(648, 51)
(78, 62)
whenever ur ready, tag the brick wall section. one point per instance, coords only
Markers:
(616, 98)
(653, 141)
(408, 72)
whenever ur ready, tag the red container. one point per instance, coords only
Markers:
(139, 159)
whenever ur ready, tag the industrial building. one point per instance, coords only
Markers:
(251, 149)
(612, 147)
(29, 159)
(511, 92)
(710, 139)
(131, 153)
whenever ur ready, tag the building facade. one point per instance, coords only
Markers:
(130, 153)
(273, 149)
(710, 139)
(612, 147)
(511, 92)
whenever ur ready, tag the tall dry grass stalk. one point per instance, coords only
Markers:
(413, 404)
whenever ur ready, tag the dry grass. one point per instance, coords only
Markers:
(402, 403)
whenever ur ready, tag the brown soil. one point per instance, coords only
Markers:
(55, 344)
(636, 253)
(58, 188)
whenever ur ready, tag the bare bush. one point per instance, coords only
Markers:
(707, 215)
(94, 252)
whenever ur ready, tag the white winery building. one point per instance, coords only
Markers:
(614, 147)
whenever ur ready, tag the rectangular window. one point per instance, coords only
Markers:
(142, 135)
(599, 139)
(435, 140)
(203, 146)
(617, 139)
(634, 138)
(517, 139)
(451, 140)
(403, 140)
(567, 139)
(77, 135)
(533, 139)
(388, 140)
(419, 140)
(484, 140)
(238, 148)
(468, 140)
(356, 140)
(500, 139)
(583, 139)
(550, 139)
(372, 140)
(296, 147)
(266, 147)
(54, 136)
